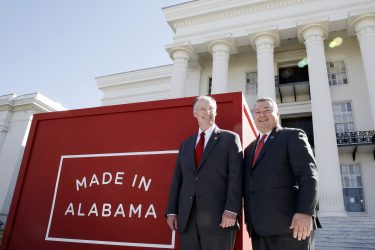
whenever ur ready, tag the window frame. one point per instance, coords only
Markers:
(329, 74)
(246, 91)
(362, 186)
(352, 115)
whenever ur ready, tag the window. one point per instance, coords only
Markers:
(251, 83)
(352, 188)
(336, 73)
(343, 117)
(293, 74)
(209, 85)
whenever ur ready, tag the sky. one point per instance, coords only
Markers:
(57, 48)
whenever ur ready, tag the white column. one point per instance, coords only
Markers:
(181, 58)
(364, 27)
(194, 77)
(331, 202)
(264, 44)
(220, 50)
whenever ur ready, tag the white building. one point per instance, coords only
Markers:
(16, 113)
(319, 76)
(316, 57)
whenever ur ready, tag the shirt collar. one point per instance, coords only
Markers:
(261, 134)
(208, 132)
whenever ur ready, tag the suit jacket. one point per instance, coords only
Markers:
(282, 182)
(215, 185)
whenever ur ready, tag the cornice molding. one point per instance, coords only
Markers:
(136, 85)
(214, 10)
(7, 98)
(6, 106)
(291, 16)
(131, 77)
(120, 96)
(33, 101)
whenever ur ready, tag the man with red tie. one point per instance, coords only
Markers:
(206, 192)
(280, 184)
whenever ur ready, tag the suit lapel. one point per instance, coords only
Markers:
(214, 138)
(271, 138)
(191, 151)
(252, 152)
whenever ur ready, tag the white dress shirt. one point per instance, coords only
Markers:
(207, 134)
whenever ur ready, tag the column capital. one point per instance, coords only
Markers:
(181, 50)
(267, 38)
(226, 44)
(307, 31)
(362, 24)
(180, 55)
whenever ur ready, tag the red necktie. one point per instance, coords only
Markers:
(259, 148)
(199, 149)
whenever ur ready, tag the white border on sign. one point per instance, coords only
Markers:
(114, 243)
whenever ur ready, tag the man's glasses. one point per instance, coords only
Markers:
(210, 110)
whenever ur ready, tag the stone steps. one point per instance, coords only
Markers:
(345, 233)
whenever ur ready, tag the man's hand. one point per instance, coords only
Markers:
(228, 219)
(302, 225)
(172, 221)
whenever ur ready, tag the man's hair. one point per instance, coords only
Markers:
(264, 99)
(207, 98)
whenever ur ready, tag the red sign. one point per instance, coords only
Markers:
(119, 191)
(99, 178)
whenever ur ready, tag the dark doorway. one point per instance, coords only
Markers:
(304, 123)
(293, 74)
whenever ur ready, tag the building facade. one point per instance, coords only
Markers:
(16, 113)
(315, 57)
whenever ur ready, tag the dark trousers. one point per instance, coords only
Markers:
(195, 238)
(281, 242)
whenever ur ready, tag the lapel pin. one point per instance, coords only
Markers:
(215, 138)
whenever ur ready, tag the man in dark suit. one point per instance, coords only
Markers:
(280, 184)
(206, 191)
